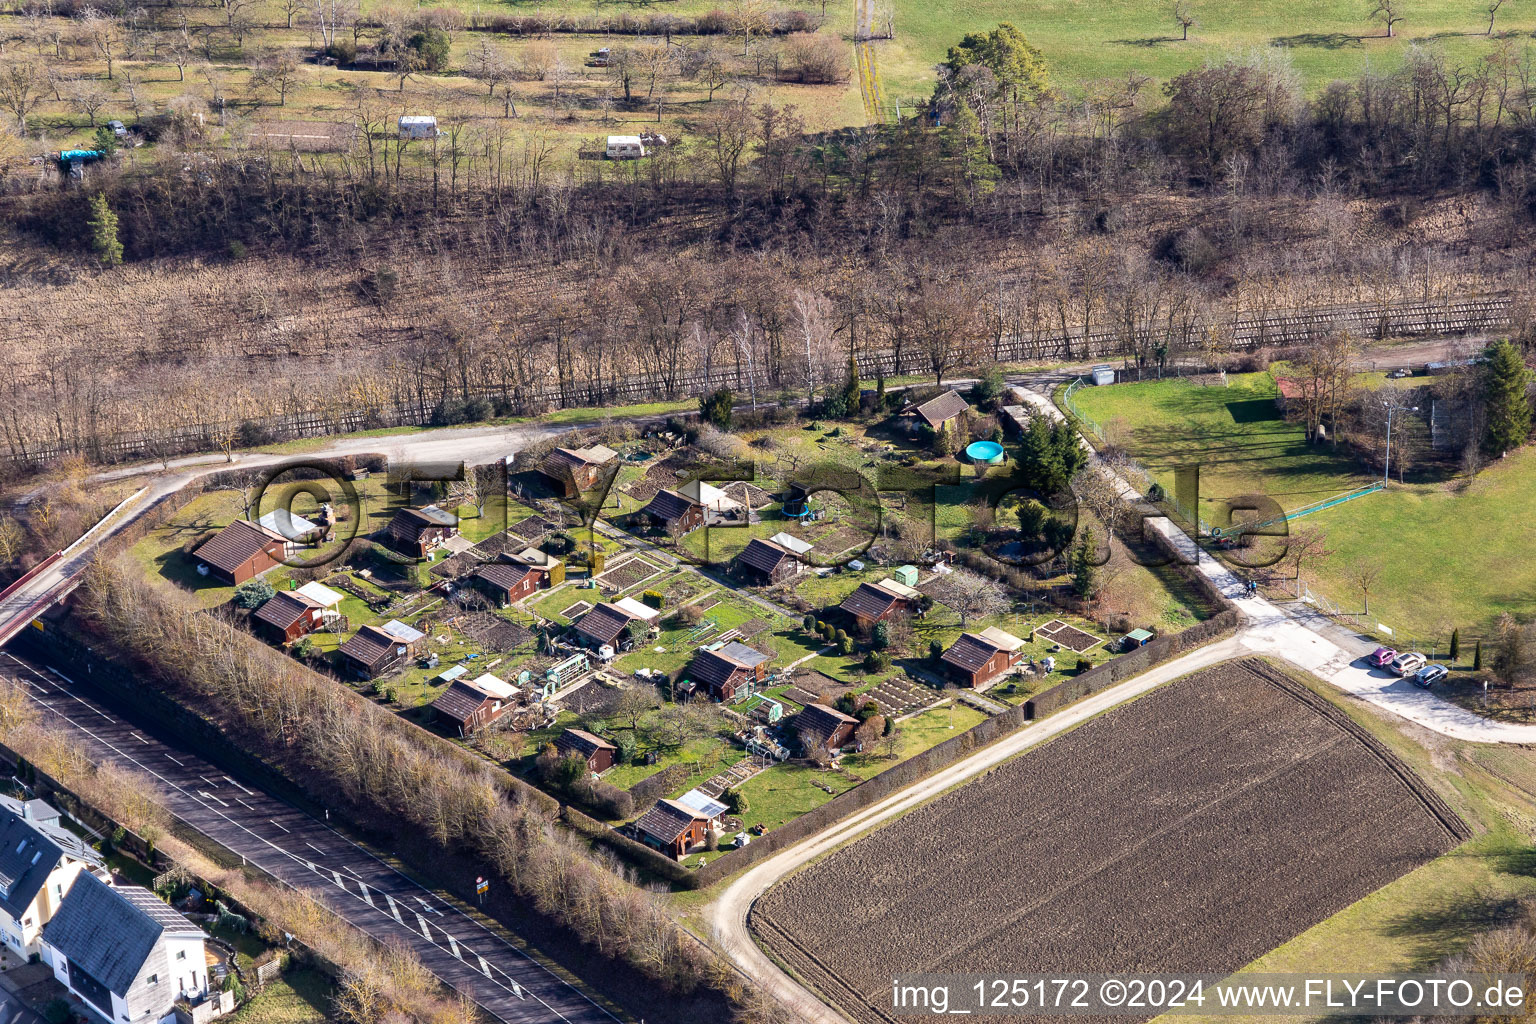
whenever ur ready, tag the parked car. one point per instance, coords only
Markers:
(1429, 675)
(118, 129)
(1400, 373)
(1381, 657)
(1407, 663)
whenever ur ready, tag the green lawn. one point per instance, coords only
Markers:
(295, 997)
(1087, 43)
(1235, 434)
(1449, 558)
(786, 791)
(783, 637)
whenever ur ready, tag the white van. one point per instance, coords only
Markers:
(625, 147)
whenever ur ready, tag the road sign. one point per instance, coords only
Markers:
(482, 886)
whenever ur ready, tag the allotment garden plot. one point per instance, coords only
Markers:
(1190, 831)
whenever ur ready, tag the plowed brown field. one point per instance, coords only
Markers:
(1189, 831)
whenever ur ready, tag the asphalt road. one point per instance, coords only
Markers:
(304, 851)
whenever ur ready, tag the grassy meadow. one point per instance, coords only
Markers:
(1451, 553)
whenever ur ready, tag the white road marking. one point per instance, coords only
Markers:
(339, 883)
(271, 822)
(210, 796)
(453, 947)
(421, 923)
(502, 946)
(237, 785)
(317, 849)
(170, 758)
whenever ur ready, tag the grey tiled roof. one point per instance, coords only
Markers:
(28, 852)
(110, 933)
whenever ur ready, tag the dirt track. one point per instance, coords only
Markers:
(1191, 830)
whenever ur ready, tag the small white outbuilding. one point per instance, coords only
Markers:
(418, 126)
(625, 147)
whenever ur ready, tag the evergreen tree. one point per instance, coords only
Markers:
(1455, 644)
(103, 225)
(717, 407)
(851, 389)
(1477, 657)
(879, 390)
(1017, 65)
(1085, 575)
(1031, 517)
(973, 171)
(1509, 408)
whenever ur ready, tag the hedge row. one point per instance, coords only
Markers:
(1116, 670)
(639, 854)
(711, 23)
(656, 786)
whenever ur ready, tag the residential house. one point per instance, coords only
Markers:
(239, 552)
(765, 563)
(712, 498)
(39, 812)
(596, 751)
(732, 668)
(552, 568)
(374, 651)
(290, 614)
(470, 705)
(712, 810)
(420, 531)
(876, 602)
(39, 863)
(936, 413)
(574, 470)
(507, 583)
(125, 953)
(296, 530)
(605, 624)
(674, 513)
(671, 827)
(979, 659)
(820, 727)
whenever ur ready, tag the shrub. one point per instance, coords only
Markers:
(716, 408)
(842, 635)
(809, 623)
(433, 46)
(626, 743)
(881, 637)
(935, 650)
(654, 598)
(57, 1011)
(254, 593)
(1083, 664)
(845, 645)
(379, 285)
